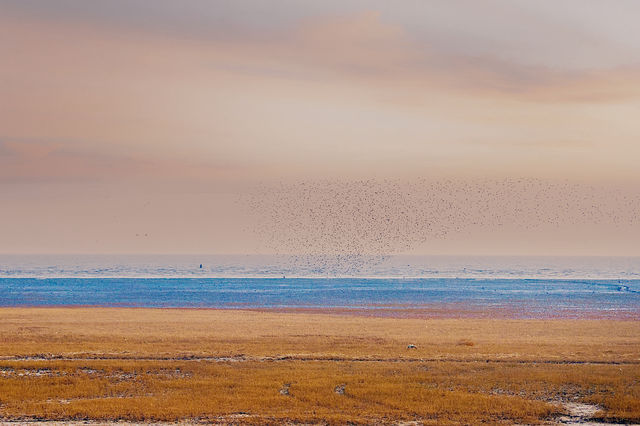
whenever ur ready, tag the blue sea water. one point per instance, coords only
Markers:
(519, 287)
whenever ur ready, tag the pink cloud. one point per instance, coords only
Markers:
(43, 161)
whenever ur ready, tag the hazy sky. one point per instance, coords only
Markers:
(133, 125)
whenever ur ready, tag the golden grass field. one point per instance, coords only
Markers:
(108, 364)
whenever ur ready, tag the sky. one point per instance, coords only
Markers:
(129, 126)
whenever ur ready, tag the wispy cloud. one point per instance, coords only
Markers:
(366, 48)
(34, 161)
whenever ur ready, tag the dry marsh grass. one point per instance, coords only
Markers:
(138, 390)
(230, 366)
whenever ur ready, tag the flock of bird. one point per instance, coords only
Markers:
(339, 227)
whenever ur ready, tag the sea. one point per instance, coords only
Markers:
(405, 286)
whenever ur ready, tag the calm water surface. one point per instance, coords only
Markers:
(519, 287)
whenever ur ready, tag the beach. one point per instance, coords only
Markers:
(234, 366)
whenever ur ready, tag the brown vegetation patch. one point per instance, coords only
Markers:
(248, 367)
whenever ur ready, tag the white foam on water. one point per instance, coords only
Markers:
(277, 266)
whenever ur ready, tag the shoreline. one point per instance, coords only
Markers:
(434, 311)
